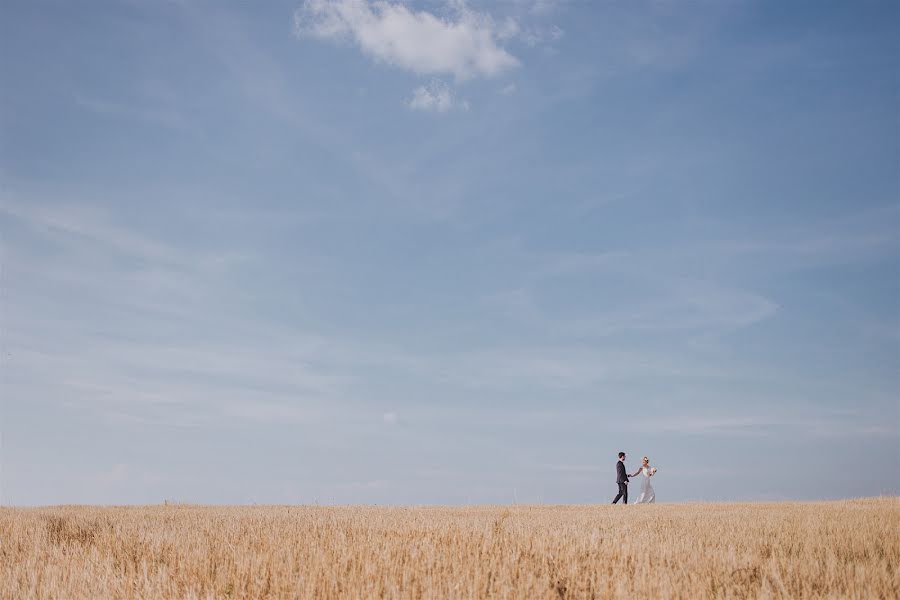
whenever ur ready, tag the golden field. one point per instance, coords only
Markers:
(848, 549)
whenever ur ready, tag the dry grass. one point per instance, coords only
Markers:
(798, 550)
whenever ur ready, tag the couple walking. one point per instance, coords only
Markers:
(647, 494)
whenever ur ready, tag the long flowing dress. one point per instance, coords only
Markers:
(647, 496)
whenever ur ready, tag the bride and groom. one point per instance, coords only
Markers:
(647, 494)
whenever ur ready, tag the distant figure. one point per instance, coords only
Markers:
(648, 496)
(621, 479)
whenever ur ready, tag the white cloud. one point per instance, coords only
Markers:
(509, 29)
(166, 116)
(508, 89)
(435, 97)
(532, 37)
(545, 6)
(421, 42)
(536, 36)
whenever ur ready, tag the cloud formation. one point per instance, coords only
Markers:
(435, 97)
(466, 46)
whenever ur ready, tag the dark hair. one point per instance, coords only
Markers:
(621, 455)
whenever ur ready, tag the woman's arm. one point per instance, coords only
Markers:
(636, 473)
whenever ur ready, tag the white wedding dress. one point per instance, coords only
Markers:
(648, 496)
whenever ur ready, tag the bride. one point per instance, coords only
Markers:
(647, 494)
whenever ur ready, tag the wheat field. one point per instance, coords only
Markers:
(848, 549)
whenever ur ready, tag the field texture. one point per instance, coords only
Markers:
(819, 550)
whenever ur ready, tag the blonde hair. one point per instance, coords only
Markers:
(646, 460)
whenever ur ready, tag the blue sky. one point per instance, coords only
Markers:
(448, 252)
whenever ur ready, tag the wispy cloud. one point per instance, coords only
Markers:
(436, 96)
(657, 303)
(129, 362)
(465, 46)
(80, 222)
(545, 6)
(165, 116)
(560, 368)
(537, 35)
(813, 424)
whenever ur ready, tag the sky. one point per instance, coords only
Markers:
(338, 251)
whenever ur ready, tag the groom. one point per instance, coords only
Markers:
(621, 479)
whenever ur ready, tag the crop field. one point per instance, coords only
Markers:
(847, 549)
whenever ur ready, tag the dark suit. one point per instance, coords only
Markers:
(622, 480)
